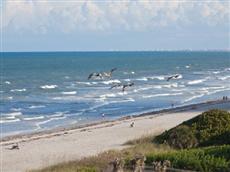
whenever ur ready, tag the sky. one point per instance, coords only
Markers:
(114, 25)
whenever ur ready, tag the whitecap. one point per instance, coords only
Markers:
(224, 78)
(104, 96)
(142, 79)
(38, 106)
(197, 81)
(69, 92)
(187, 66)
(111, 81)
(48, 86)
(7, 82)
(18, 90)
(13, 114)
(127, 80)
(16, 109)
(193, 97)
(162, 95)
(216, 72)
(7, 121)
(33, 118)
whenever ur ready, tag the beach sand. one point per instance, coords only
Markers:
(48, 148)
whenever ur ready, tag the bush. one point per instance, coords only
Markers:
(214, 159)
(209, 128)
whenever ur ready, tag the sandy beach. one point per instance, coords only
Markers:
(48, 148)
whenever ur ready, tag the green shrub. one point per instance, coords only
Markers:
(209, 128)
(214, 159)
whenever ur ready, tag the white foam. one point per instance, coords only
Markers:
(127, 73)
(127, 80)
(224, 78)
(10, 98)
(69, 92)
(216, 72)
(48, 86)
(162, 95)
(34, 107)
(86, 83)
(227, 69)
(104, 96)
(111, 81)
(173, 85)
(187, 66)
(7, 82)
(7, 121)
(16, 109)
(18, 90)
(142, 79)
(193, 97)
(197, 81)
(13, 114)
(33, 118)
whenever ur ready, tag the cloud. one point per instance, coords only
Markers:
(44, 16)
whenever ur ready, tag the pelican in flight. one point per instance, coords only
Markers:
(95, 75)
(122, 85)
(109, 74)
(101, 75)
(173, 77)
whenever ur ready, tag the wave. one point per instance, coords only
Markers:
(7, 82)
(193, 97)
(49, 120)
(142, 79)
(48, 86)
(173, 85)
(224, 78)
(127, 80)
(227, 69)
(13, 114)
(35, 107)
(128, 73)
(162, 95)
(216, 72)
(8, 121)
(197, 81)
(18, 90)
(104, 96)
(33, 118)
(16, 109)
(111, 81)
(69, 92)
(87, 83)
(187, 66)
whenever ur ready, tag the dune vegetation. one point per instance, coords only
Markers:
(200, 144)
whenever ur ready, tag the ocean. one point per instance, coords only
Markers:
(46, 90)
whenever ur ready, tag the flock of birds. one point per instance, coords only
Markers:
(108, 75)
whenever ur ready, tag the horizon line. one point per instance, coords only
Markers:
(88, 51)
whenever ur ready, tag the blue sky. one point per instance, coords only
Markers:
(90, 25)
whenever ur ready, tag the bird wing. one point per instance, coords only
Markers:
(90, 75)
(112, 70)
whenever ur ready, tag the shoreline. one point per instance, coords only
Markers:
(39, 151)
(6, 140)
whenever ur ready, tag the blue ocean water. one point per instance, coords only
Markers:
(45, 90)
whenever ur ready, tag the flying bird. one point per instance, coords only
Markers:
(173, 77)
(101, 75)
(95, 75)
(109, 74)
(127, 85)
